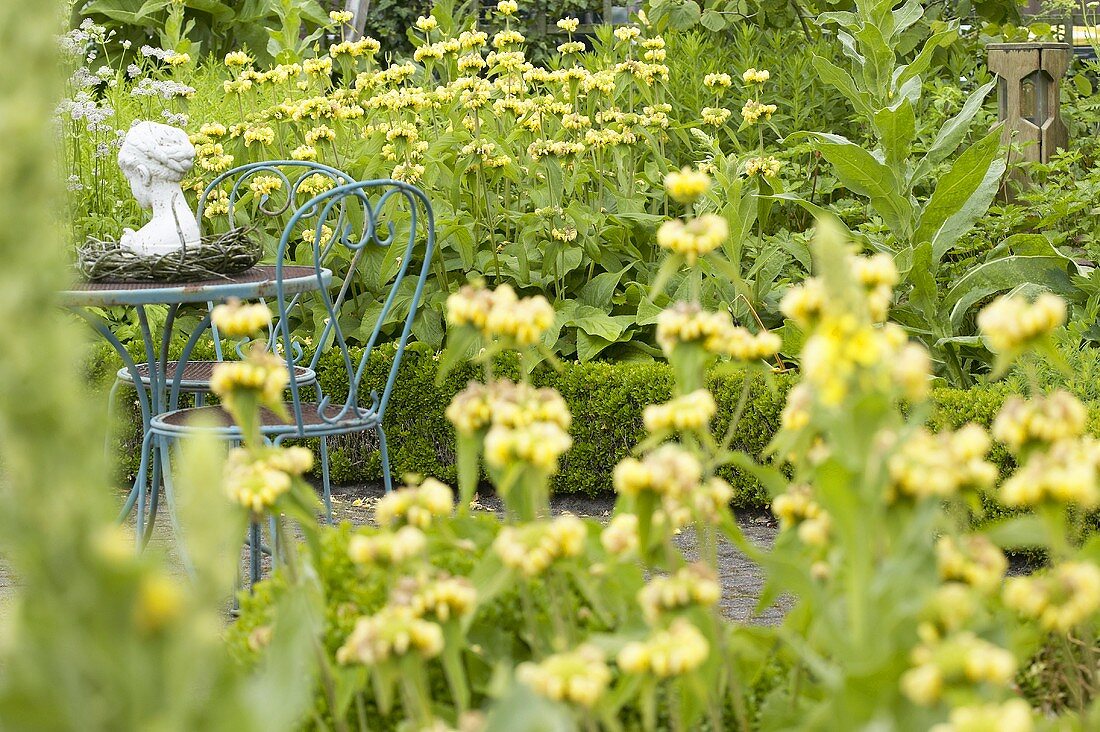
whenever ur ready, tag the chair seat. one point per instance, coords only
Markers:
(197, 374)
(216, 418)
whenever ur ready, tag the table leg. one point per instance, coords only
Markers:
(144, 404)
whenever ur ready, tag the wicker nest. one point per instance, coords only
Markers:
(216, 257)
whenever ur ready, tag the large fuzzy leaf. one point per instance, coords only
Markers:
(962, 195)
(920, 64)
(952, 133)
(896, 127)
(832, 74)
(864, 174)
(999, 275)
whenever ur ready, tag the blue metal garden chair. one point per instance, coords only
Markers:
(188, 376)
(348, 222)
(194, 378)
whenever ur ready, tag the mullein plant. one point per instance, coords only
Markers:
(95, 636)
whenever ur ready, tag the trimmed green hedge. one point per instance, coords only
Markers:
(606, 400)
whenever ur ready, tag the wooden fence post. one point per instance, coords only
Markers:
(1028, 79)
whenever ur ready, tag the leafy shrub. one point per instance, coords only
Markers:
(606, 400)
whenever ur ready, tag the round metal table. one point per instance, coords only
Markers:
(155, 394)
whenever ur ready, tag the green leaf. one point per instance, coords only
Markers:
(124, 13)
(962, 195)
(219, 10)
(521, 710)
(1083, 84)
(596, 322)
(598, 291)
(862, 173)
(684, 15)
(816, 211)
(906, 16)
(712, 20)
(923, 59)
(461, 343)
(1018, 532)
(952, 133)
(923, 295)
(879, 57)
(589, 346)
(1004, 274)
(832, 74)
(896, 127)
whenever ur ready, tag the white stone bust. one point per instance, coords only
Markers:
(155, 158)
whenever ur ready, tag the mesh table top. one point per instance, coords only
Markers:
(250, 284)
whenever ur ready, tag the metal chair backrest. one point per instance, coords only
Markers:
(228, 188)
(239, 180)
(349, 221)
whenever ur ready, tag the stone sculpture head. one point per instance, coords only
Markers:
(155, 158)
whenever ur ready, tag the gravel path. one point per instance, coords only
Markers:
(741, 579)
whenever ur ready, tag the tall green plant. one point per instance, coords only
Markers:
(894, 175)
(97, 637)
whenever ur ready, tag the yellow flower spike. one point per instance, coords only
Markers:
(695, 584)
(754, 111)
(973, 560)
(261, 134)
(627, 33)
(341, 17)
(1041, 420)
(237, 59)
(717, 81)
(620, 538)
(389, 633)
(698, 237)
(679, 650)
(388, 548)
(922, 685)
(687, 185)
(1010, 323)
(579, 677)
(1060, 599)
(1012, 716)
(235, 319)
(508, 8)
(1065, 473)
(689, 412)
(754, 76)
(415, 505)
(912, 372)
(569, 25)
(159, 603)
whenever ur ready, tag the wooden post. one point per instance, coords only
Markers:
(359, 10)
(1028, 78)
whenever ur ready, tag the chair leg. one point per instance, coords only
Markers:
(141, 485)
(159, 472)
(326, 482)
(164, 445)
(255, 553)
(111, 397)
(386, 478)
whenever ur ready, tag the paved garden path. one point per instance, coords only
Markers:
(741, 579)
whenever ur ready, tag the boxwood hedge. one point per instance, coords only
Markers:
(606, 400)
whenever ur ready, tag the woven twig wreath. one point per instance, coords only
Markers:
(216, 257)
